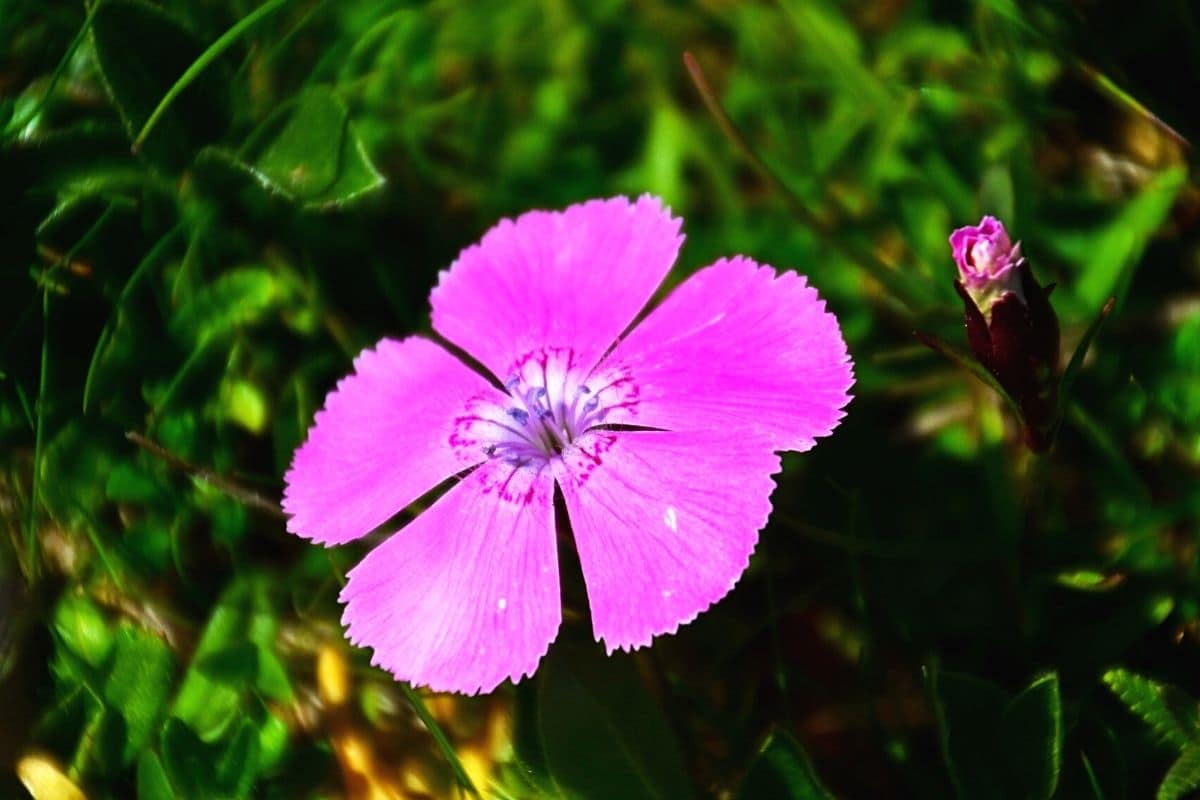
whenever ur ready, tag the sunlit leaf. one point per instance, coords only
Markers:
(239, 297)
(1110, 257)
(1183, 777)
(310, 154)
(1089, 580)
(234, 657)
(1171, 713)
(138, 685)
(152, 783)
(81, 626)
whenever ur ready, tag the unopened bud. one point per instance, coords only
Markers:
(1011, 325)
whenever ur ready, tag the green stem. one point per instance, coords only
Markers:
(439, 736)
(210, 55)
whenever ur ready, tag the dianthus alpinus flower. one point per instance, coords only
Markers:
(661, 439)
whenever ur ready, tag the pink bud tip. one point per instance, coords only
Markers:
(987, 261)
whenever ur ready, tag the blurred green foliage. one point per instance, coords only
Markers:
(207, 208)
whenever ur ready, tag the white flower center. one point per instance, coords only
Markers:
(550, 404)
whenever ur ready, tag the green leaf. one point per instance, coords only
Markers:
(238, 765)
(995, 747)
(273, 736)
(1170, 712)
(240, 297)
(234, 652)
(235, 665)
(272, 678)
(1183, 777)
(1089, 580)
(203, 771)
(152, 783)
(142, 51)
(82, 628)
(128, 482)
(602, 734)
(245, 665)
(1031, 738)
(1110, 258)
(782, 771)
(187, 761)
(304, 158)
(312, 156)
(138, 685)
(968, 713)
(245, 404)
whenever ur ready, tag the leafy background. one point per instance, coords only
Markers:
(932, 610)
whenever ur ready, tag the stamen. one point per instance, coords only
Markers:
(547, 409)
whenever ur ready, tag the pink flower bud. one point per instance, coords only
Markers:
(1011, 326)
(988, 263)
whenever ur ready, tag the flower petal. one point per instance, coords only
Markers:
(466, 594)
(573, 278)
(664, 523)
(381, 441)
(739, 346)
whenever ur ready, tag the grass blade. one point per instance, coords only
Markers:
(198, 66)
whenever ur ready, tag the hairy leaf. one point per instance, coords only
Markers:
(1171, 714)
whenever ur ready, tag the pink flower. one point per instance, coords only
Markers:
(740, 361)
(988, 262)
